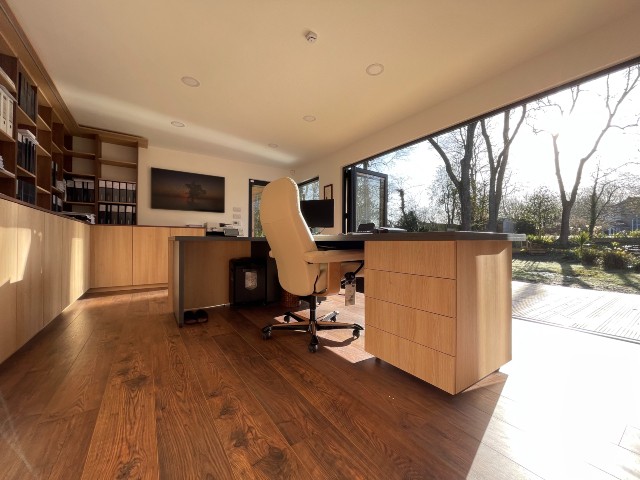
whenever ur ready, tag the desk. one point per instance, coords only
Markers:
(437, 304)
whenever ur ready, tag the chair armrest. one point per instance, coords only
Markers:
(333, 256)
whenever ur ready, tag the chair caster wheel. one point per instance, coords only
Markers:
(356, 333)
(313, 348)
(287, 318)
(266, 334)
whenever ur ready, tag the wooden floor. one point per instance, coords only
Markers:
(113, 389)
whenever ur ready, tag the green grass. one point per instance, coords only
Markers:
(553, 269)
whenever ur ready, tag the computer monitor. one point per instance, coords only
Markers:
(317, 213)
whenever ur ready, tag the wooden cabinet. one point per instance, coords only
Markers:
(8, 277)
(439, 310)
(111, 256)
(30, 282)
(52, 267)
(150, 257)
(132, 256)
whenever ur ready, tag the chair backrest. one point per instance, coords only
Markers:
(288, 236)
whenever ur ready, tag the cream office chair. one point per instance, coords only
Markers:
(303, 270)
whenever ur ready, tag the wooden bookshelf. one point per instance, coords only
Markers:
(63, 151)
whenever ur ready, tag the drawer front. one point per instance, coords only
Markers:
(434, 367)
(435, 295)
(434, 331)
(433, 259)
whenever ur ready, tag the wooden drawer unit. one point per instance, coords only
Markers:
(433, 259)
(440, 310)
(432, 366)
(433, 331)
(435, 295)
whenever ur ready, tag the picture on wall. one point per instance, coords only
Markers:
(173, 190)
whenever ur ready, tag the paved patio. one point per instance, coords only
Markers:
(610, 314)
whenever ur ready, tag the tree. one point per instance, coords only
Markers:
(498, 163)
(541, 208)
(566, 103)
(445, 197)
(458, 147)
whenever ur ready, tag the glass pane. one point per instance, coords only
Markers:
(310, 190)
(370, 201)
(256, 197)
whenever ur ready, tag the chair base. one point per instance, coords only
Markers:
(311, 324)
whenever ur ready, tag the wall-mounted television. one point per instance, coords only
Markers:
(317, 213)
(173, 190)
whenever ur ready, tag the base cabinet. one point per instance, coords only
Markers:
(45, 269)
(458, 330)
(132, 256)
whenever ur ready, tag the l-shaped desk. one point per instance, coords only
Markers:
(437, 304)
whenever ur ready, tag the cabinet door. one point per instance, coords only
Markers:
(111, 254)
(8, 275)
(150, 255)
(76, 275)
(29, 274)
(52, 267)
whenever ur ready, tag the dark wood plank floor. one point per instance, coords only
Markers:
(113, 389)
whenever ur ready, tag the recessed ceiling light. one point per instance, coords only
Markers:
(375, 69)
(176, 123)
(309, 118)
(190, 81)
(273, 145)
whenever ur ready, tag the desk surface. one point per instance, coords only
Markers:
(373, 237)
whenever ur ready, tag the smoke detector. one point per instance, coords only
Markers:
(311, 36)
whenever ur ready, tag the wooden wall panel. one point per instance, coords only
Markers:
(150, 255)
(484, 309)
(111, 256)
(52, 267)
(8, 275)
(207, 264)
(29, 275)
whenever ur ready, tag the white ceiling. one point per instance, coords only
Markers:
(118, 64)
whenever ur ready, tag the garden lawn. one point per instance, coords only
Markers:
(553, 269)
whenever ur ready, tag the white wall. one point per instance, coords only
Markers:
(237, 175)
(609, 46)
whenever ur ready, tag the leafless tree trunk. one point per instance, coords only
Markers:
(568, 198)
(498, 164)
(462, 184)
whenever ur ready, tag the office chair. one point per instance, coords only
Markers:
(303, 270)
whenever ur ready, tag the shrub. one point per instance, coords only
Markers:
(525, 226)
(615, 260)
(546, 240)
(572, 255)
(589, 256)
(636, 267)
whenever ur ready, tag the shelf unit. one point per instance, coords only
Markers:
(63, 152)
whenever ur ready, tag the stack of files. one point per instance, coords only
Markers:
(26, 191)
(80, 190)
(27, 150)
(26, 96)
(116, 214)
(116, 191)
(6, 111)
(56, 203)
